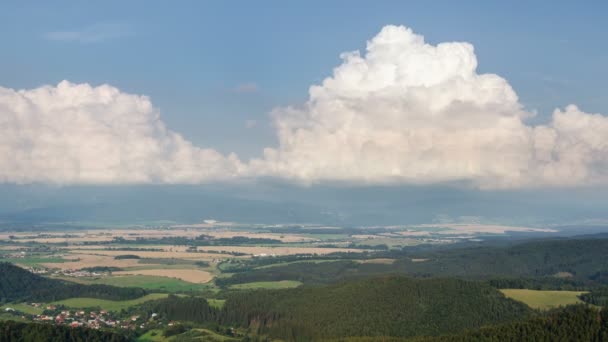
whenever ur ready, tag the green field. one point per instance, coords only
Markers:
(28, 309)
(110, 305)
(156, 335)
(543, 299)
(34, 261)
(8, 317)
(283, 284)
(146, 282)
(216, 303)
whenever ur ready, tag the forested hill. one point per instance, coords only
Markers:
(11, 331)
(574, 261)
(573, 323)
(582, 259)
(17, 284)
(385, 306)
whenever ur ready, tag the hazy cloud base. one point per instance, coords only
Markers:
(405, 112)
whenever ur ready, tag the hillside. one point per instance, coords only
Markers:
(385, 306)
(573, 323)
(25, 332)
(582, 259)
(17, 284)
(561, 263)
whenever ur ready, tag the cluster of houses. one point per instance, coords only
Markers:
(86, 318)
(75, 273)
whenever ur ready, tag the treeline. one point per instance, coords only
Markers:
(540, 283)
(127, 256)
(101, 269)
(573, 323)
(244, 265)
(17, 284)
(192, 309)
(306, 272)
(11, 331)
(597, 297)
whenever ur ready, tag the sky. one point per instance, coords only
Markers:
(482, 96)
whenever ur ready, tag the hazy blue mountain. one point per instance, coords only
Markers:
(271, 202)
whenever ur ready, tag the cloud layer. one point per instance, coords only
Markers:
(403, 112)
(74, 133)
(410, 112)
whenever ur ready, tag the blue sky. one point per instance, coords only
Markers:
(190, 57)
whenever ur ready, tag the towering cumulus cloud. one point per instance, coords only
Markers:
(403, 112)
(410, 112)
(80, 134)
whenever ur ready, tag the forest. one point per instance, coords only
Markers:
(582, 261)
(17, 284)
(36, 332)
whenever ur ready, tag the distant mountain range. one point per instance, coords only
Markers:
(281, 203)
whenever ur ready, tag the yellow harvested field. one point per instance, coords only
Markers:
(383, 261)
(192, 276)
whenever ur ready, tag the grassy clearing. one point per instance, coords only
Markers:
(282, 284)
(28, 309)
(202, 335)
(543, 299)
(109, 305)
(149, 282)
(216, 303)
(155, 335)
(9, 317)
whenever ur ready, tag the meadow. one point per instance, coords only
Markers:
(543, 300)
(149, 282)
(109, 305)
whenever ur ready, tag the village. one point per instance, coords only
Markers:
(94, 319)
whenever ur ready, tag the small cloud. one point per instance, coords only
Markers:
(247, 87)
(250, 123)
(91, 34)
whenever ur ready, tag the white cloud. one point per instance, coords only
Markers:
(405, 112)
(81, 134)
(410, 112)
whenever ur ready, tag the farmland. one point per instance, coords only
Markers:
(188, 275)
(543, 300)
